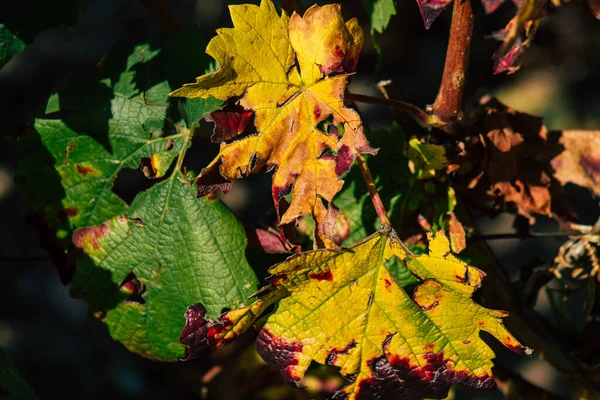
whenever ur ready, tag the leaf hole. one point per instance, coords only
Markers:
(134, 288)
(129, 183)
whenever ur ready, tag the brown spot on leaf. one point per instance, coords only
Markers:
(85, 170)
(276, 280)
(321, 276)
(67, 213)
(93, 233)
(279, 353)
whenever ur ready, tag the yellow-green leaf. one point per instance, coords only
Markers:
(292, 73)
(425, 159)
(344, 308)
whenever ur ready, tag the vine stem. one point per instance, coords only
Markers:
(375, 198)
(419, 115)
(448, 103)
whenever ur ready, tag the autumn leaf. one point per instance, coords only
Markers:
(292, 74)
(514, 166)
(344, 308)
(431, 9)
(579, 162)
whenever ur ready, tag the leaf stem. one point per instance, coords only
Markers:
(184, 147)
(448, 103)
(375, 198)
(420, 116)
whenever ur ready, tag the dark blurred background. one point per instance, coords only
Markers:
(65, 354)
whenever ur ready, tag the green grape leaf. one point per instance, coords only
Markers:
(97, 124)
(145, 267)
(142, 264)
(380, 12)
(10, 45)
(12, 385)
(425, 159)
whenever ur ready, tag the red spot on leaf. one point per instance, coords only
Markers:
(345, 159)
(280, 191)
(591, 166)
(200, 333)
(84, 170)
(276, 280)
(338, 52)
(509, 61)
(516, 347)
(398, 377)
(429, 347)
(229, 124)
(93, 232)
(279, 353)
(321, 276)
(317, 112)
(212, 180)
(333, 355)
(388, 285)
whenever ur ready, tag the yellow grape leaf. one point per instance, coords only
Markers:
(342, 307)
(292, 74)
